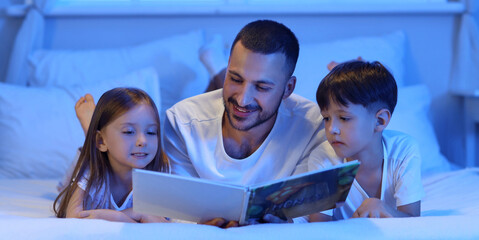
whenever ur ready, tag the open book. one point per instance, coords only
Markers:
(194, 199)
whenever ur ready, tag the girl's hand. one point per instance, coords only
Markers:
(153, 219)
(373, 208)
(144, 218)
(106, 214)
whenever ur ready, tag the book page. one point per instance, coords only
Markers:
(303, 194)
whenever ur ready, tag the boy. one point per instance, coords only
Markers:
(357, 100)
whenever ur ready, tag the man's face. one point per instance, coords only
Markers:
(254, 87)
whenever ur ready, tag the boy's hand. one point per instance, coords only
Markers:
(373, 208)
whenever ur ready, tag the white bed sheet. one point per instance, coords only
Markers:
(450, 210)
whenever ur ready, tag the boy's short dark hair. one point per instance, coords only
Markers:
(367, 83)
(267, 37)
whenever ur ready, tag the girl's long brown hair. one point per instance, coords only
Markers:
(111, 105)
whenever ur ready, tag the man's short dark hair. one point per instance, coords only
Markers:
(267, 37)
(367, 83)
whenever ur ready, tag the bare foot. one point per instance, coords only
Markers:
(217, 81)
(84, 108)
(333, 64)
(213, 56)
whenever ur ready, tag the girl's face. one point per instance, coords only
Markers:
(349, 130)
(131, 140)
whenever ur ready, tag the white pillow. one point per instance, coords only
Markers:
(410, 116)
(313, 58)
(39, 129)
(175, 59)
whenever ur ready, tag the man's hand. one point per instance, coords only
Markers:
(221, 222)
(373, 208)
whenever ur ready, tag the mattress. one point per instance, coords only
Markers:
(449, 210)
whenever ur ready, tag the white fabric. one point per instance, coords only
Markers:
(411, 117)
(401, 175)
(29, 38)
(39, 127)
(464, 72)
(97, 196)
(442, 227)
(194, 142)
(69, 172)
(314, 57)
(449, 211)
(175, 59)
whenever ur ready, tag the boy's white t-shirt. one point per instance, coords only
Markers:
(193, 141)
(111, 204)
(401, 180)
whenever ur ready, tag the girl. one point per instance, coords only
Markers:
(124, 133)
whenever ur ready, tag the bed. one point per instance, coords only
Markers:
(40, 133)
(449, 211)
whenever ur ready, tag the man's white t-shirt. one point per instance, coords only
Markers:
(401, 182)
(193, 141)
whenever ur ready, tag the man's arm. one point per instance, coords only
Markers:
(175, 147)
(318, 137)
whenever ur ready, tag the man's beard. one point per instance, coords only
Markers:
(262, 116)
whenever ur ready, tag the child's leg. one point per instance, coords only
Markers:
(333, 64)
(214, 59)
(217, 81)
(84, 108)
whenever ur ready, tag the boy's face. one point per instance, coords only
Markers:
(350, 130)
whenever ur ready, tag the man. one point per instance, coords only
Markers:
(254, 129)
